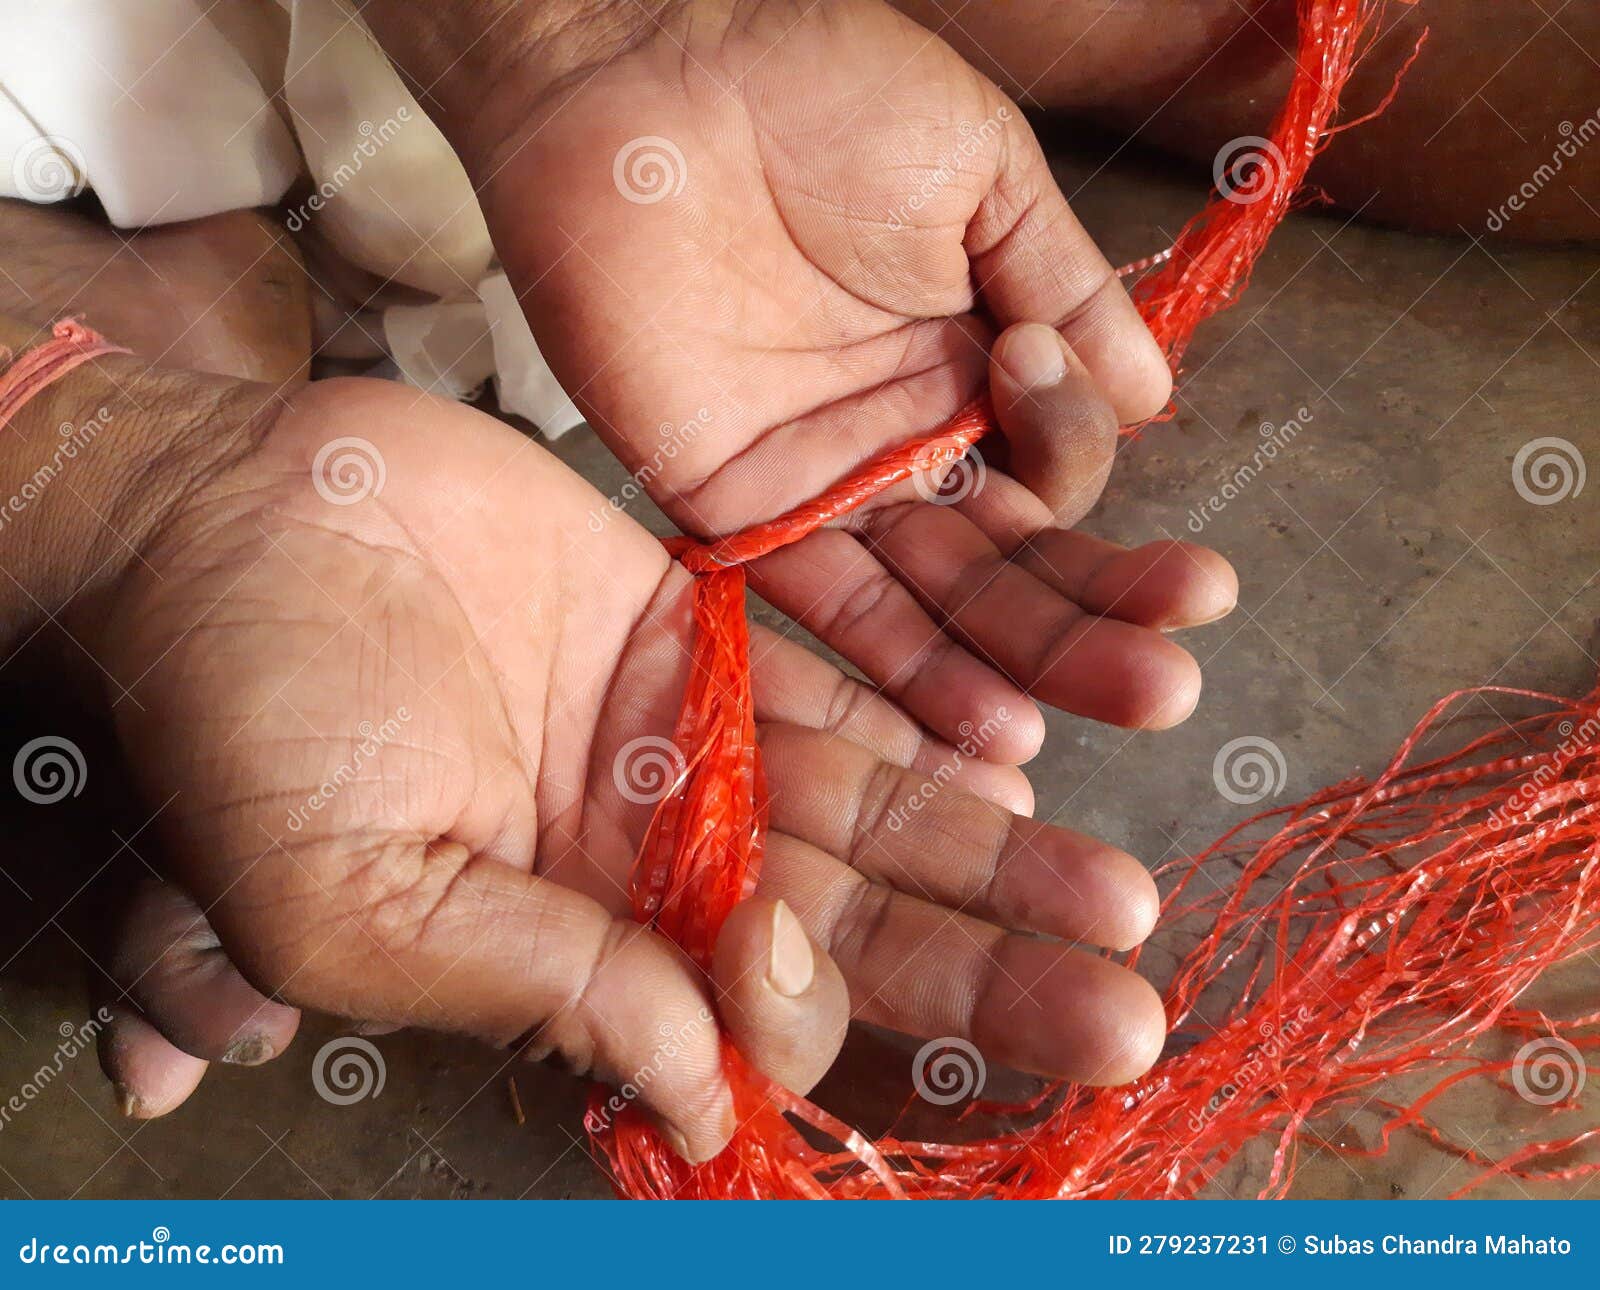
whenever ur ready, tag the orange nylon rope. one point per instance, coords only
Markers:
(1351, 950)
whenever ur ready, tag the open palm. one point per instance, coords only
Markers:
(792, 233)
(404, 715)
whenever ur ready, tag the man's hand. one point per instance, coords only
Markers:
(397, 687)
(799, 229)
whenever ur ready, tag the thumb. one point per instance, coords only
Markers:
(783, 1000)
(1034, 260)
(441, 938)
(1060, 431)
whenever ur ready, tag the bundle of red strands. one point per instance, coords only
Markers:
(1374, 931)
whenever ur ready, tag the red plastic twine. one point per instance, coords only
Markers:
(1378, 928)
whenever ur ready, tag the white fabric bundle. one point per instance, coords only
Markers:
(175, 109)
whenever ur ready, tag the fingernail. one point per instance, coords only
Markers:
(1034, 356)
(1201, 622)
(791, 965)
(376, 1028)
(127, 1103)
(251, 1051)
(676, 1140)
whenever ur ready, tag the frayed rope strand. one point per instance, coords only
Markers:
(1379, 928)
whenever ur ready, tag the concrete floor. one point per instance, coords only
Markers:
(1386, 560)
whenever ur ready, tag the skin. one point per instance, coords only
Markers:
(475, 881)
(870, 322)
(470, 875)
(226, 294)
(795, 291)
(1474, 119)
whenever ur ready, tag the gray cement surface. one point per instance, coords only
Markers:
(1386, 559)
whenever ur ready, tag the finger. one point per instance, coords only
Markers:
(795, 686)
(1060, 431)
(922, 837)
(148, 1075)
(835, 589)
(1100, 668)
(1031, 1004)
(1166, 584)
(1034, 262)
(169, 962)
(439, 938)
(782, 998)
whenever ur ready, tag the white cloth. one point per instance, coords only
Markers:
(175, 109)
